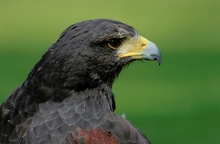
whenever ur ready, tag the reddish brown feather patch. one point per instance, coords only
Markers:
(94, 136)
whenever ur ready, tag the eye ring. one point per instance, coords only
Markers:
(114, 43)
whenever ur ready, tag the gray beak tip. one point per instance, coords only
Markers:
(152, 52)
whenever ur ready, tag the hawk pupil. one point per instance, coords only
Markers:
(115, 43)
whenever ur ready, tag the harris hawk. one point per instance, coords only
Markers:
(67, 97)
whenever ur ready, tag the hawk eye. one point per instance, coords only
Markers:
(114, 43)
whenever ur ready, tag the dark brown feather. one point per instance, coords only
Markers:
(67, 97)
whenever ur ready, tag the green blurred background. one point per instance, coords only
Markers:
(178, 102)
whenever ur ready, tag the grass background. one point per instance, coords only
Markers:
(178, 102)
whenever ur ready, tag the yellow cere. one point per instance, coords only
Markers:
(133, 47)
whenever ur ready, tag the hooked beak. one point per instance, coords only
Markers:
(140, 48)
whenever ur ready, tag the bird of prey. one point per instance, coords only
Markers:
(67, 97)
